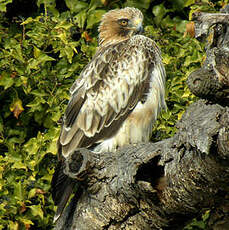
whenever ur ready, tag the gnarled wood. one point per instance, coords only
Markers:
(152, 186)
(212, 80)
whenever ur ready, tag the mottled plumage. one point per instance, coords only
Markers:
(118, 95)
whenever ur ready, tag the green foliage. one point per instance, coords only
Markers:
(3, 4)
(41, 54)
(199, 224)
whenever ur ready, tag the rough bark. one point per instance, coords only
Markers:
(212, 80)
(155, 185)
(164, 185)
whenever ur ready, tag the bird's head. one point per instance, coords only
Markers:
(120, 24)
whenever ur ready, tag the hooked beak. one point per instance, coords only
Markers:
(140, 29)
(138, 26)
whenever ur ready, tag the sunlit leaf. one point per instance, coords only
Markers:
(80, 18)
(32, 146)
(40, 60)
(37, 211)
(52, 148)
(16, 107)
(3, 4)
(26, 222)
(19, 165)
(5, 80)
(27, 21)
(94, 17)
(32, 193)
(18, 191)
(13, 225)
(76, 6)
(64, 24)
(36, 52)
(206, 215)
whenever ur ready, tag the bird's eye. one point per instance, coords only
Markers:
(123, 22)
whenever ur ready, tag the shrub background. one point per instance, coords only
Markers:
(44, 44)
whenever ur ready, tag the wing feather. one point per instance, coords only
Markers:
(73, 108)
(109, 88)
(95, 123)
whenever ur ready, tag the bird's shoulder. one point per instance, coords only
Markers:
(107, 60)
(146, 43)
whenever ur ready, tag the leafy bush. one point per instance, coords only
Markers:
(44, 45)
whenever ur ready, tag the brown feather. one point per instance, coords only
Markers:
(101, 96)
(110, 92)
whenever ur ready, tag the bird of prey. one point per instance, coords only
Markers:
(116, 98)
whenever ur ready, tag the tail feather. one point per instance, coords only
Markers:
(62, 188)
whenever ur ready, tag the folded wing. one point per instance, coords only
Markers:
(108, 89)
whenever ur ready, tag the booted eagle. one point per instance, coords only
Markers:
(117, 97)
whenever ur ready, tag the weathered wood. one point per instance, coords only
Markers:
(212, 80)
(165, 184)
(154, 185)
(204, 21)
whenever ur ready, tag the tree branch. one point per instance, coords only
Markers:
(154, 185)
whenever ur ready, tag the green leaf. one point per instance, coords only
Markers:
(36, 52)
(31, 146)
(50, 5)
(69, 52)
(27, 21)
(5, 80)
(178, 4)
(18, 191)
(34, 63)
(17, 53)
(44, 57)
(36, 104)
(166, 115)
(189, 2)
(32, 193)
(141, 4)
(76, 6)
(159, 11)
(95, 4)
(18, 165)
(56, 115)
(48, 122)
(3, 4)
(80, 19)
(206, 215)
(94, 17)
(47, 177)
(37, 211)
(25, 221)
(52, 148)
(180, 25)
(64, 24)
(13, 225)
(39, 93)
(16, 107)
(195, 57)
